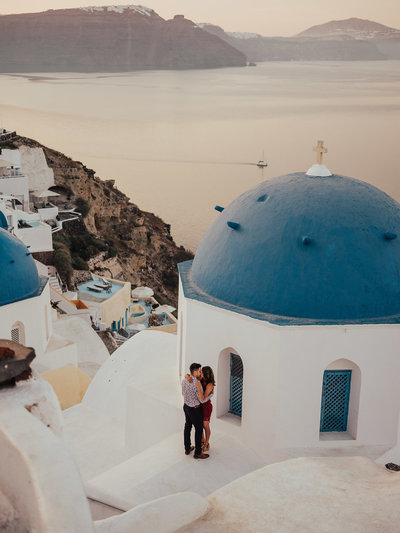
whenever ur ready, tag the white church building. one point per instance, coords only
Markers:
(293, 298)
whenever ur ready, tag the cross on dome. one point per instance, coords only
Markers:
(319, 169)
(321, 150)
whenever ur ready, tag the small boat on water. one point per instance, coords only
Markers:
(262, 163)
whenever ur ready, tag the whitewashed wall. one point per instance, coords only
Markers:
(283, 372)
(210, 335)
(114, 308)
(34, 314)
(18, 186)
(309, 350)
(37, 473)
(37, 238)
(131, 386)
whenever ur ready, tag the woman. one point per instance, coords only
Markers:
(206, 384)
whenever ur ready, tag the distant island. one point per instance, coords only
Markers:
(129, 38)
(338, 40)
(108, 39)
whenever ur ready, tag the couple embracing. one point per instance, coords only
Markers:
(197, 391)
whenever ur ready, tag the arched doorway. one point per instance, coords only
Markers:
(341, 384)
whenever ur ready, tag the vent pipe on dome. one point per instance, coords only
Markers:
(233, 225)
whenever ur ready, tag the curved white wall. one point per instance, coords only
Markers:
(134, 387)
(37, 473)
(89, 345)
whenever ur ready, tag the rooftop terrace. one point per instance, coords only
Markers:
(99, 289)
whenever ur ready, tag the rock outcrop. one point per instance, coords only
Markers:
(146, 253)
(108, 39)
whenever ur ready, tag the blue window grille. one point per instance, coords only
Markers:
(235, 403)
(335, 400)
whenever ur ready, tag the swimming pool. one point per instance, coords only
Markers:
(34, 223)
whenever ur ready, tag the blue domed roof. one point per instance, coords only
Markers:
(19, 278)
(303, 246)
(3, 221)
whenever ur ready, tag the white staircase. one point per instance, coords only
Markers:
(54, 279)
(164, 469)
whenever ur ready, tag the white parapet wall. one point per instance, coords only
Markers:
(37, 474)
(38, 237)
(18, 186)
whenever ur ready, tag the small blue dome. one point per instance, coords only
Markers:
(19, 278)
(3, 220)
(306, 247)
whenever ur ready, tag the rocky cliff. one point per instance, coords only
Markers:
(108, 39)
(146, 253)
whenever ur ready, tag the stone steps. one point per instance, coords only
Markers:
(164, 469)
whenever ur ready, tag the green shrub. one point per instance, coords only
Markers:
(82, 244)
(59, 238)
(100, 245)
(112, 250)
(78, 263)
(75, 249)
(63, 262)
(82, 206)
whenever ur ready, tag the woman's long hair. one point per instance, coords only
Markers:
(208, 376)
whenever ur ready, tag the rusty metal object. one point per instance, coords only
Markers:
(15, 362)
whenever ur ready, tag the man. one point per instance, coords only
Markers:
(193, 413)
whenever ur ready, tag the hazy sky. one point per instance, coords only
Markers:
(267, 17)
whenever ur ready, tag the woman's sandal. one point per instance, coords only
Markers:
(206, 447)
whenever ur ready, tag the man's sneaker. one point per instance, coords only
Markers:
(200, 456)
(189, 450)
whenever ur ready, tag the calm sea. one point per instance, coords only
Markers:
(180, 142)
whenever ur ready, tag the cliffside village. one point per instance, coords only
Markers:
(76, 321)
